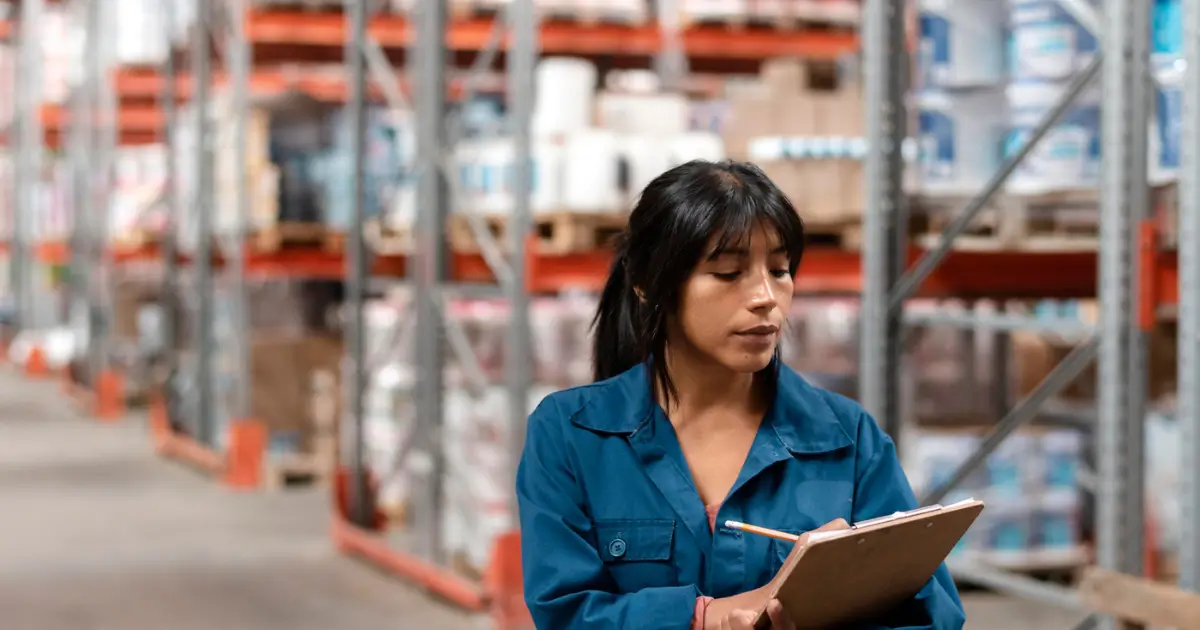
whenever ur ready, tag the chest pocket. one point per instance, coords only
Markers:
(780, 550)
(637, 553)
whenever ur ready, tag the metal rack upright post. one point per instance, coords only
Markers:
(1189, 301)
(29, 136)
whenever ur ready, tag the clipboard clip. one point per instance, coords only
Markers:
(900, 515)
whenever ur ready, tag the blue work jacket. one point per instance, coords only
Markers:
(615, 535)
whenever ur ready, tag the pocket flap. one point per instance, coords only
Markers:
(635, 540)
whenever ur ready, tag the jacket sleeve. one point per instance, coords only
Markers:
(882, 488)
(566, 585)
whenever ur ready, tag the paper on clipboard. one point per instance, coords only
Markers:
(817, 535)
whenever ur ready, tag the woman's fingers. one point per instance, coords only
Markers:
(739, 620)
(779, 618)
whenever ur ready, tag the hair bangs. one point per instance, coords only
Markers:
(742, 214)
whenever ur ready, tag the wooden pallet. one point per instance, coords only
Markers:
(554, 233)
(308, 6)
(796, 16)
(1052, 222)
(296, 470)
(388, 239)
(135, 238)
(845, 235)
(591, 16)
(287, 235)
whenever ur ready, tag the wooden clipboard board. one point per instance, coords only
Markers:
(857, 574)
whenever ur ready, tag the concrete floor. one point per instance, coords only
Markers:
(98, 534)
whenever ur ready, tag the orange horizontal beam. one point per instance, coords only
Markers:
(131, 83)
(136, 124)
(329, 29)
(823, 271)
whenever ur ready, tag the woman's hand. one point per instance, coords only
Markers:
(744, 619)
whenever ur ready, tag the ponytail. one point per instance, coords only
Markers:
(617, 344)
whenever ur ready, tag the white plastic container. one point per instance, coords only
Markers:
(695, 145)
(468, 177)
(547, 184)
(1068, 157)
(663, 113)
(1046, 41)
(962, 42)
(565, 95)
(495, 159)
(591, 173)
(960, 135)
(1167, 121)
(140, 26)
(643, 158)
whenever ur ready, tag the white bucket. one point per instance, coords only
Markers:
(591, 172)
(962, 42)
(468, 177)
(1167, 122)
(496, 160)
(663, 113)
(565, 90)
(695, 145)
(643, 158)
(1068, 157)
(547, 184)
(1046, 41)
(960, 136)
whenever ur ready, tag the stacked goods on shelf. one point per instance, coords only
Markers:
(136, 212)
(975, 107)
(803, 123)
(294, 359)
(592, 155)
(1031, 485)
(140, 25)
(779, 13)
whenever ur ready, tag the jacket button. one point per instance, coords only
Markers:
(616, 548)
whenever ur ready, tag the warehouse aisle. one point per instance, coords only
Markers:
(98, 534)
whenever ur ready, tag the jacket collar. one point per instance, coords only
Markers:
(799, 415)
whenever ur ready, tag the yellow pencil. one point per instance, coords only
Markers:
(762, 531)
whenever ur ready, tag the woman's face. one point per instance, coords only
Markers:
(734, 306)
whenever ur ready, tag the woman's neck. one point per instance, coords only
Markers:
(702, 386)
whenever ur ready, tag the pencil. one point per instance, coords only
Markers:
(762, 531)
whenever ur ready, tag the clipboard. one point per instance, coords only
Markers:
(856, 574)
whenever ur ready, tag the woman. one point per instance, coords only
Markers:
(693, 421)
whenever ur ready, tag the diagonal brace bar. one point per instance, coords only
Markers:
(914, 277)
(1062, 375)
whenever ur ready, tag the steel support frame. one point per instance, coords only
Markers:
(80, 155)
(170, 292)
(1189, 302)
(1124, 198)
(103, 145)
(238, 59)
(430, 273)
(28, 166)
(1121, 345)
(202, 176)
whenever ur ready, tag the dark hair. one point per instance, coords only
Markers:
(669, 232)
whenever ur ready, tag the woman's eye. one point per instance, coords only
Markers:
(731, 275)
(781, 273)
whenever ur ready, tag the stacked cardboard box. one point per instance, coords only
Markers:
(801, 122)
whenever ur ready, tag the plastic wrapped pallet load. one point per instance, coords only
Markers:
(959, 135)
(1165, 139)
(1048, 42)
(962, 43)
(1068, 157)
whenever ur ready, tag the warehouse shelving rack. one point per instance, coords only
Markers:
(1134, 280)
